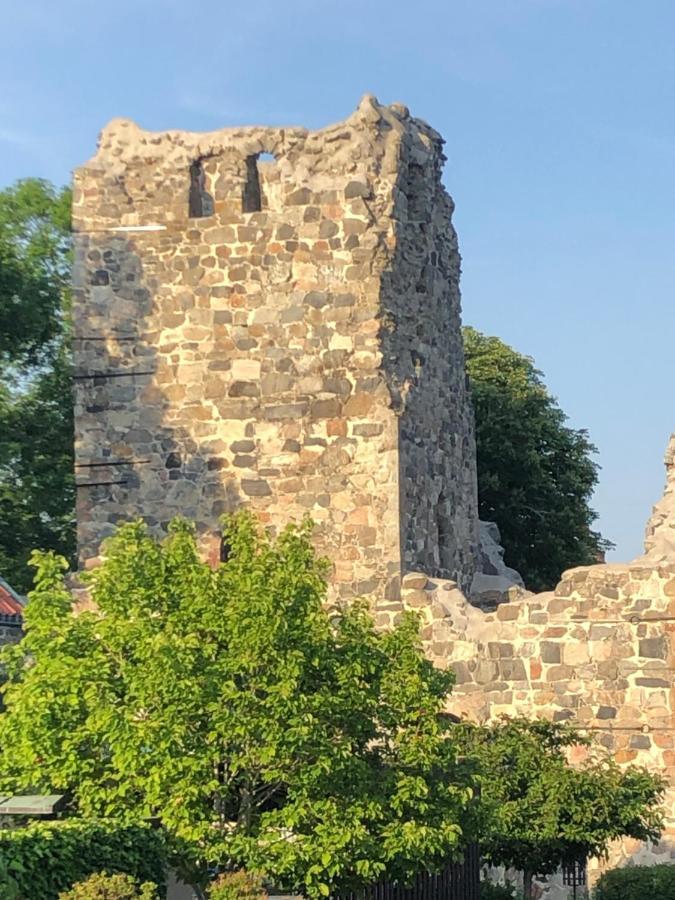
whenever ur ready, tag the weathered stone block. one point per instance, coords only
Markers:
(486, 672)
(500, 650)
(575, 654)
(414, 581)
(462, 673)
(357, 189)
(560, 673)
(415, 599)
(508, 612)
(255, 488)
(550, 652)
(653, 682)
(655, 647)
(299, 198)
(512, 669)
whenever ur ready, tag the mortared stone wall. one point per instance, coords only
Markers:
(271, 317)
(598, 651)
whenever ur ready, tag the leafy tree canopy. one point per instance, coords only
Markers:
(36, 463)
(265, 731)
(541, 812)
(34, 269)
(536, 475)
(36, 425)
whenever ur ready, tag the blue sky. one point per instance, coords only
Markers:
(558, 117)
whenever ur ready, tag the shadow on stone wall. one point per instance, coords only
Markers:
(132, 460)
(423, 365)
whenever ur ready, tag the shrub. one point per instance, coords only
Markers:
(46, 858)
(490, 890)
(110, 887)
(637, 883)
(9, 889)
(239, 885)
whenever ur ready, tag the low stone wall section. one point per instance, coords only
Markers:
(598, 651)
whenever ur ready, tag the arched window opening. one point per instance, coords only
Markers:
(200, 202)
(252, 200)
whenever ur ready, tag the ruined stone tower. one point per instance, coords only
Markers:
(280, 332)
(284, 333)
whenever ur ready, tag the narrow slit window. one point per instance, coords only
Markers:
(200, 202)
(252, 200)
(444, 531)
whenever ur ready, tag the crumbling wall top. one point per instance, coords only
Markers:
(122, 142)
(141, 178)
(660, 534)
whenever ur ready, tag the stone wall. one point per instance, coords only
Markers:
(660, 533)
(598, 651)
(422, 340)
(285, 333)
(280, 333)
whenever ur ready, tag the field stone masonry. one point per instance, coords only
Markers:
(271, 317)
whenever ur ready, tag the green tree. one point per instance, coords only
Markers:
(34, 270)
(540, 812)
(36, 425)
(36, 465)
(265, 731)
(536, 475)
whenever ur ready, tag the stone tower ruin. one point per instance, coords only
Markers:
(271, 317)
(285, 333)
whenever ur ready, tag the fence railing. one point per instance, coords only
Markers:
(457, 881)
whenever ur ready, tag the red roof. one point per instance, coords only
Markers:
(10, 602)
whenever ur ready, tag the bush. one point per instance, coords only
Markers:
(111, 887)
(490, 890)
(46, 858)
(9, 889)
(237, 886)
(637, 883)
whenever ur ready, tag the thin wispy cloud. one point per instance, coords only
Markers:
(210, 105)
(28, 144)
(17, 138)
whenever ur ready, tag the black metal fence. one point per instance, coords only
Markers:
(575, 876)
(458, 881)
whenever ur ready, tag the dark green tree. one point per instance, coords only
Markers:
(34, 271)
(36, 463)
(540, 812)
(536, 475)
(36, 455)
